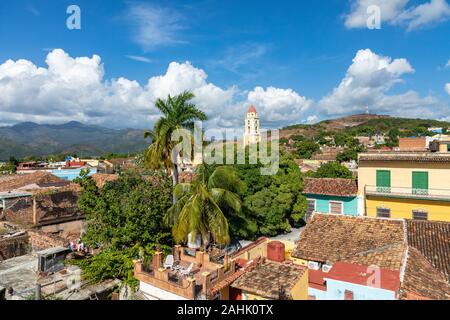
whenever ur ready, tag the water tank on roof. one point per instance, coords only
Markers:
(275, 251)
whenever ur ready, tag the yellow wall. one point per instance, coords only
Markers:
(401, 176)
(443, 147)
(402, 208)
(300, 262)
(300, 290)
(259, 250)
(251, 296)
(401, 173)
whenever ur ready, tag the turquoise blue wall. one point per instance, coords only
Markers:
(71, 174)
(336, 290)
(323, 203)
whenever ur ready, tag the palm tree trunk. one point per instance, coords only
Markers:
(175, 174)
(174, 171)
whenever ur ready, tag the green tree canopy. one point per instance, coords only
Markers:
(203, 205)
(306, 148)
(333, 170)
(271, 204)
(178, 113)
(124, 218)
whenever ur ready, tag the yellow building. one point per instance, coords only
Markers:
(273, 281)
(411, 185)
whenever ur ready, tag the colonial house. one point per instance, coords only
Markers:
(331, 196)
(190, 274)
(272, 280)
(411, 185)
(361, 258)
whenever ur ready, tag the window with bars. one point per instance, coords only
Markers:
(383, 212)
(420, 215)
(335, 207)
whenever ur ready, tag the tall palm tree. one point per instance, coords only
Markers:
(202, 205)
(177, 113)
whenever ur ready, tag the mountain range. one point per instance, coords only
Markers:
(31, 139)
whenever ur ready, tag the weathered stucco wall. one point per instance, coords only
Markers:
(14, 246)
(44, 208)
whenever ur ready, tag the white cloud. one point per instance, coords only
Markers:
(139, 58)
(448, 64)
(33, 10)
(431, 12)
(279, 106)
(357, 18)
(154, 26)
(447, 88)
(396, 12)
(240, 56)
(312, 119)
(367, 83)
(75, 89)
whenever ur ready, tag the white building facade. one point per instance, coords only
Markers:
(252, 133)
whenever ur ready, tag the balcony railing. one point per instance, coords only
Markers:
(414, 193)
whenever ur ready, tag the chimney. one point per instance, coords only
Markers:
(276, 251)
(157, 258)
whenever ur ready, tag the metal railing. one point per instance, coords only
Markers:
(405, 192)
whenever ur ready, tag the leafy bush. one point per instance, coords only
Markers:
(333, 170)
(125, 220)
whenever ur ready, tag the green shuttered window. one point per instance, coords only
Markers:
(420, 182)
(383, 181)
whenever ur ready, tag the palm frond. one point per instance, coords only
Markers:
(226, 199)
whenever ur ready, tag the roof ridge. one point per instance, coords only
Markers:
(378, 249)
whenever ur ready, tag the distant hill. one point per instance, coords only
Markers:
(31, 139)
(361, 124)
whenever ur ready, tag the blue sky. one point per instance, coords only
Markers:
(292, 59)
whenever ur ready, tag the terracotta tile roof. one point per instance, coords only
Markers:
(336, 238)
(329, 156)
(405, 156)
(267, 277)
(388, 257)
(331, 187)
(227, 281)
(101, 179)
(432, 239)
(421, 280)
(245, 265)
(361, 274)
(18, 181)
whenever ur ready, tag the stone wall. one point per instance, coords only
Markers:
(40, 240)
(57, 205)
(11, 247)
(46, 208)
(19, 210)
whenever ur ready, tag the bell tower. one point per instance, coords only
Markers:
(251, 130)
